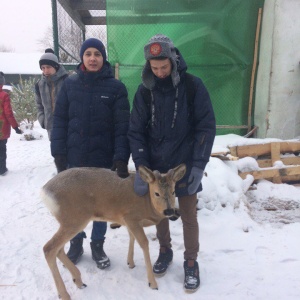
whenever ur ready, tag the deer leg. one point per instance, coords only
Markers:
(55, 248)
(139, 234)
(130, 260)
(76, 275)
(51, 250)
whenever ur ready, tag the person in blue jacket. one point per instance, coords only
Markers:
(172, 122)
(90, 126)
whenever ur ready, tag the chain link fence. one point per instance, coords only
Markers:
(71, 36)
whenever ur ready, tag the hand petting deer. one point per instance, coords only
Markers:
(79, 195)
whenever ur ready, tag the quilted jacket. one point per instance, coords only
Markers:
(7, 119)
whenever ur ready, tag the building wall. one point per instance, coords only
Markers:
(277, 101)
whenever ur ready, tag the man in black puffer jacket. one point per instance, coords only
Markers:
(168, 128)
(90, 125)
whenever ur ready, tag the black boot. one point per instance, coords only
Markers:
(3, 172)
(99, 255)
(76, 250)
(191, 276)
(164, 260)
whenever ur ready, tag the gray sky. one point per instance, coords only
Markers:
(23, 23)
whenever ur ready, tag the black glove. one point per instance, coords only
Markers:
(60, 162)
(121, 168)
(18, 131)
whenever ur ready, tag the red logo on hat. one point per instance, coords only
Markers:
(155, 49)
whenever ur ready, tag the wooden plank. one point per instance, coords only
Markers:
(267, 163)
(233, 151)
(219, 153)
(275, 152)
(291, 178)
(272, 172)
(275, 156)
(254, 66)
(263, 149)
(225, 157)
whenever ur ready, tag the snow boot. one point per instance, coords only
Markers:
(99, 255)
(76, 250)
(164, 260)
(191, 276)
(3, 172)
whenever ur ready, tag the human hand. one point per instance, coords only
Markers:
(194, 180)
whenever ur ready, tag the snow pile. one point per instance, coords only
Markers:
(249, 245)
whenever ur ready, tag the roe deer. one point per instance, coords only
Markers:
(79, 195)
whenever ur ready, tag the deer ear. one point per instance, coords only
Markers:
(146, 174)
(179, 172)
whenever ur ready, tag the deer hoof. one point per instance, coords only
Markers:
(83, 286)
(155, 287)
(131, 266)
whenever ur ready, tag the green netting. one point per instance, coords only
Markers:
(215, 37)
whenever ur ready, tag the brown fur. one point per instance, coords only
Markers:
(80, 195)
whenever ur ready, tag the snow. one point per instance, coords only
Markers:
(249, 241)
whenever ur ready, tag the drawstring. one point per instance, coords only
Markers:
(153, 108)
(175, 108)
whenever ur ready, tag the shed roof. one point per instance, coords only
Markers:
(20, 63)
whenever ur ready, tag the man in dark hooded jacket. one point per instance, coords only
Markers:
(167, 129)
(90, 126)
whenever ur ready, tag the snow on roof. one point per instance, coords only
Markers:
(20, 63)
(7, 87)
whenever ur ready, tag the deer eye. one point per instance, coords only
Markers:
(173, 193)
(156, 194)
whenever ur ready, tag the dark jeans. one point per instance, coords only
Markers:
(98, 231)
(3, 155)
(188, 212)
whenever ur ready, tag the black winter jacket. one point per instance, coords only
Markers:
(156, 144)
(91, 120)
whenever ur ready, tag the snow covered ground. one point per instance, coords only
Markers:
(250, 246)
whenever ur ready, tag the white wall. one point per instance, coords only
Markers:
(277, 103)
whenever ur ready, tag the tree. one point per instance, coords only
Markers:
(47, 40)
(23, 102)
(4, 48)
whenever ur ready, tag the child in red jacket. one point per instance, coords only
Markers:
(7, 120)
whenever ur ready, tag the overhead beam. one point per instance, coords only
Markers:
(94, 20)
(88, 4)
(124, 20)
(73, 14)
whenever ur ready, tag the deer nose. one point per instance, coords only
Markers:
(169, 212)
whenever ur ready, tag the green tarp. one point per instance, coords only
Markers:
(215, 37)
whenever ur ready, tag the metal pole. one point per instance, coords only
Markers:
(55, 28)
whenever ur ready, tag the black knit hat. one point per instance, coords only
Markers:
(93, 43)
(2, 78)
(50, 59)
